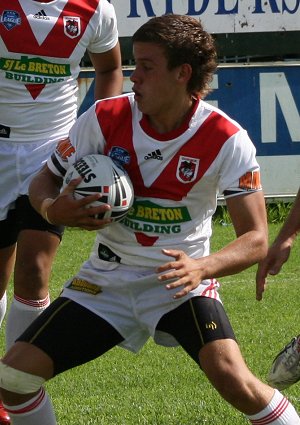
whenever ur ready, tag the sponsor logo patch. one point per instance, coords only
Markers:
(119, 155)
(250, 181)
(82, 285)
(65, 149)
(10, 19)
(146, 218)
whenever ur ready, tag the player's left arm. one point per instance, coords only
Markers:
(249, 218)
(248, 214)
(108, 73)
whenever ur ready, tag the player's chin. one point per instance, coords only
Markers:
(141, 103)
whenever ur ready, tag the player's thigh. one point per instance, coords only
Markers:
(37, 245)
(8, 239)
(197, 322)
(70, 334)
(28, 218)
(35, 254)
(7, 262)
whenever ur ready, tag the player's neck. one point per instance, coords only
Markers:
(173, 120)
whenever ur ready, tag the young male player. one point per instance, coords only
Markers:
(159, 280)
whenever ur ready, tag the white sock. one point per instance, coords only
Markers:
(278, 412)
(21, 314)
(3, 305)
(37, 411)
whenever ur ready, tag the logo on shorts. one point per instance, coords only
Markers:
(106, 254)
(4, 131)
(82, 285)
(212, 326)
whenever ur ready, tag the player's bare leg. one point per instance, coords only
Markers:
(38, 368)
(225, 367)
(7, 262)
(35, 255)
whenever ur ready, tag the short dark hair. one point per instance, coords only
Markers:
(184, 41)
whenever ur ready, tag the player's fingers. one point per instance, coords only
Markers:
(165, 267)
(175, 253)
(96, 211)
(275, 269)
(188, 287)
(261, 283)
(89, 199)
(70, 187)
(93, 223)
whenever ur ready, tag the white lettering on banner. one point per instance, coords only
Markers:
(220, 16)
(274, 88)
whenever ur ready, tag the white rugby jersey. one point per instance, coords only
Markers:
(176, 176)
(41, 46)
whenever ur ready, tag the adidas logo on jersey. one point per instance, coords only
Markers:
(41, 15)
(154, 155)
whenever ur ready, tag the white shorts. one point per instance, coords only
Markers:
(18, 163)
(131, 299)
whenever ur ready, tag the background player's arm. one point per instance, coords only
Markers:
(108, 73)
(280, 250)
(291, 227)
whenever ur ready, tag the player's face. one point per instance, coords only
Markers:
(155, 86)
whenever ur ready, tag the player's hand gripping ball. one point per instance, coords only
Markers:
(101, 175)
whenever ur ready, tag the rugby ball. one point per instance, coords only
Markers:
(100, 174)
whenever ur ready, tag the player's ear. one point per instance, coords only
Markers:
(184, 72)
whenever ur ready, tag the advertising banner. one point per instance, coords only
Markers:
(218, 16)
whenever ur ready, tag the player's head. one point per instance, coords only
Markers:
(184, 41)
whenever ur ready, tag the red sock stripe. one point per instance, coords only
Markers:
(37, 401)
(33, 303)
(272, 416)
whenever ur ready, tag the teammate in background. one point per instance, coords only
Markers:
(285, 369)
(41, 46)
(152, 274)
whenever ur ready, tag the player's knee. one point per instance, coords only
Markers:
(16, 381)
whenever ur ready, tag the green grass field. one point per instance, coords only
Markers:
(162, 386)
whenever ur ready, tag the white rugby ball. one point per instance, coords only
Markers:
(101, 175)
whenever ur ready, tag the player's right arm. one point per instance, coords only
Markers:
(61, 207)
(279, 251)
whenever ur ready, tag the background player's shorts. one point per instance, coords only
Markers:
(19, 162)
(22, 217)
